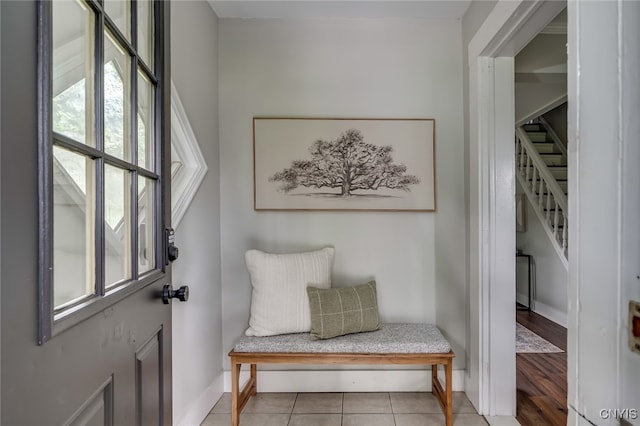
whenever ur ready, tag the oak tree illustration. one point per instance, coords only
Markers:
(348, 163)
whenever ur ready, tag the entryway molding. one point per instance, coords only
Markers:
(490, 382)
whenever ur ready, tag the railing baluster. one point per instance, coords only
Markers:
(529, 168)
(556, 220)
(541, 192)
(548, 205)
(565, 233)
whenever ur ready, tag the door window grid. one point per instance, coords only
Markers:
(101, 181)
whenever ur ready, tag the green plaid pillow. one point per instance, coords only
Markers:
(339, 311)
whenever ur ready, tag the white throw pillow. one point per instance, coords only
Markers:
(279, 302)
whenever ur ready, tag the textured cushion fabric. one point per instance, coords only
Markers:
(279, 300)
(340, 311)
(389, 339)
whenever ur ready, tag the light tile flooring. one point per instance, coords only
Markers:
(345, 409)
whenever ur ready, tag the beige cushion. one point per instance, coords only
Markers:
(340, 311)
(279, 302)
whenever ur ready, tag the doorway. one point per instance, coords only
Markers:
(491, 383)
(542, 254)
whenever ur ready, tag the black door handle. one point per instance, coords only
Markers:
(169, 293)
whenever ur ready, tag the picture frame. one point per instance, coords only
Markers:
(344, 164)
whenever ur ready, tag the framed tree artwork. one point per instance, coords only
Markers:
(344, 164)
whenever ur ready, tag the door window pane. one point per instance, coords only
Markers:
(120, 13)
(145, 32)
(146, 225)
(117, 101)
(117, 228)
(145, 122)
(73, 89)
(73, 218)
(99, 149)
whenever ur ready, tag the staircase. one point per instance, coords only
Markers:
(541, 169)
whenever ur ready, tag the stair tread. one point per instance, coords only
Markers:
(555, 168)
(556, 163)
(544, 194)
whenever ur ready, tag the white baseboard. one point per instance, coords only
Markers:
(523, 299)
(345, 380)
(550, 313)
(199, 410)
(502, 420)
(546, 311)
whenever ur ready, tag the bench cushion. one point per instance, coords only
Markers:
(389, 339)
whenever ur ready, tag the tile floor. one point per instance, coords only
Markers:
(345, 409)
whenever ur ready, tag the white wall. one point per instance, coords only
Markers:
(347, 68)
(545, 54)
(537, 94)
(197, 324)
(541, 76)
(557, 119)
(549, 282)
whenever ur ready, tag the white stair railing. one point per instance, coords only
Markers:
(544, 193)
(554, 136)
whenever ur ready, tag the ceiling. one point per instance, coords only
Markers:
(433, 9)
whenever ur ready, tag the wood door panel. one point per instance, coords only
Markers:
(149, 380)
(97, 410)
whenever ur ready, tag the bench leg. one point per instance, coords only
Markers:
(240, 398)
(445, 396)
(235, 389)
(449, 378)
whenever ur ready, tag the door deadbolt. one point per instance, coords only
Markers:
(172, 251)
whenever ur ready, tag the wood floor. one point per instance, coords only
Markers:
(541, 379)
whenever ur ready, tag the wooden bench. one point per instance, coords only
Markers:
(417, 344)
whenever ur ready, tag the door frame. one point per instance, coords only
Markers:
(511, 25)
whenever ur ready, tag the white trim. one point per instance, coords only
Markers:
(490, 29)
(188, 166)
(502, 241)
(511, 25)
(344, 380)
(550, 313)
(502, 420)
(492, 101)
(199, 410)
(555, 28)
(522, 299)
